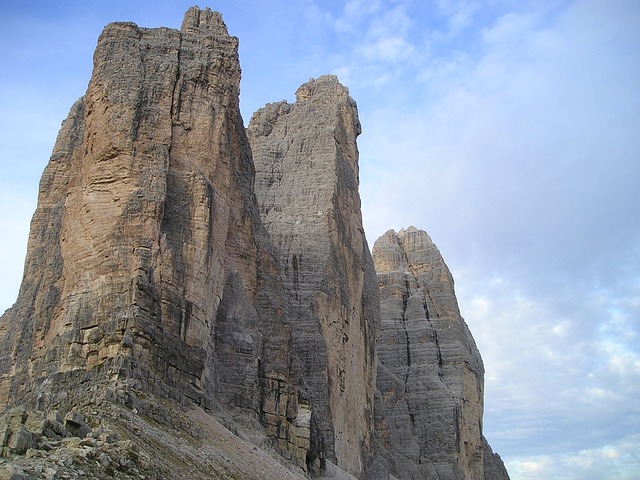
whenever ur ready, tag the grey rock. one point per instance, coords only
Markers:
(12, 472)
(430, 373)
(494, 468)
(306, 161)
(16, 436)
(74, 423)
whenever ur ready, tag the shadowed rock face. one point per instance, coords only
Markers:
(170, 279)
(430, 374)
(306, 161)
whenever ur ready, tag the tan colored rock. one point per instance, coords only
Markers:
(147, 259)
(306, 161)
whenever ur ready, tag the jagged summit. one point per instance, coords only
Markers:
(203, 21)
(325, 86)
(201, 298)
(135, 209)
(430, 374)
(306, 163)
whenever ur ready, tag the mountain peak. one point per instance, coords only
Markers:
(198, 20)
(200, 297)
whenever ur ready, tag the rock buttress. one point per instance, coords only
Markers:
(430, 376)
(306, 161)
(147, 260)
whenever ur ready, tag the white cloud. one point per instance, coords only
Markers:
(353, 14)
(615, 461)
(561, 328)
(377, 38)
(459, 15)
(597, 394)
(388, 49)
(552, 377)
(621, 360)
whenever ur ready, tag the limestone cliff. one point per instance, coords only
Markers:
(147, 259)
(200, 301)
(306, 161)
(430, 373)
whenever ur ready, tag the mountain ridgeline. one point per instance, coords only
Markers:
(199, 299)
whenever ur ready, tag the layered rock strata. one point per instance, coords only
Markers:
(306, 161)
(147, 259)
(172, 287)
(430, 373)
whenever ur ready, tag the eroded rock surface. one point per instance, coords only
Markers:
(147, 258)
(494, 468)
(306, 161)
(430, 373)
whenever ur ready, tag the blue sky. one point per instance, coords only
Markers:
(509, 130)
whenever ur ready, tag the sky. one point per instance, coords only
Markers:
(509, 130)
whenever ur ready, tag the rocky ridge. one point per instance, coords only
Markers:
(200, 298)
(140, 438)
(147, 259)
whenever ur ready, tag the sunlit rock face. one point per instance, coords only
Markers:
(306, 161)
(430, 373)
(147, 259)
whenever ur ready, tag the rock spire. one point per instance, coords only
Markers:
(200, 300)
(306, 161)
(430, 374)
(147, 259)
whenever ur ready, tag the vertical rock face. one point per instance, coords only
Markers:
(166, 269)
(306, 162)
(147, 259)
(430, 374)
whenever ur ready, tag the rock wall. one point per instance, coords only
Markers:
(430, 373)
(306, 161)
(147, 258)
